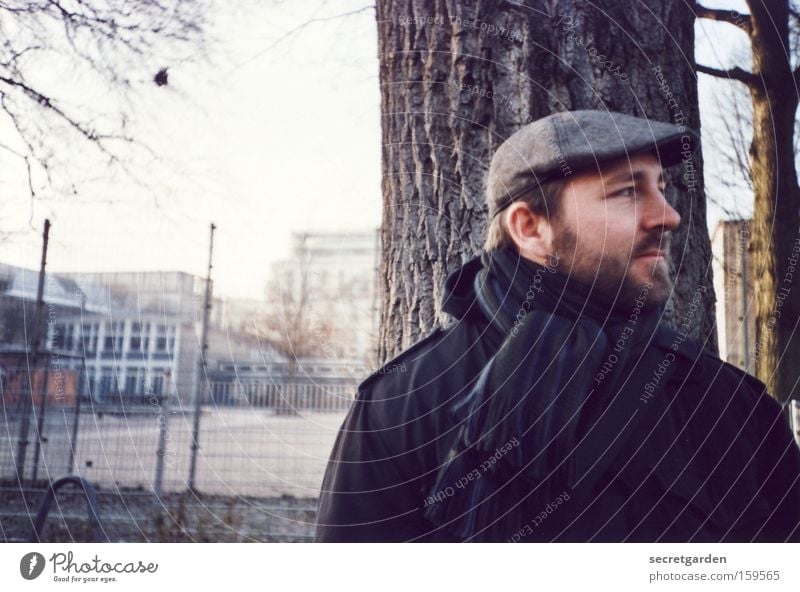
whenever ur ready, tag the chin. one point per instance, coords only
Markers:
(658, 291)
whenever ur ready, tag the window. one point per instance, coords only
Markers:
(88, 338)
(54, 336)
(130, 385)
(142, 381)
(135, 343)
(106, 387)
(114, 336)
(89, 387)
(158, 385)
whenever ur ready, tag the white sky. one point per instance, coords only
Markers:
(263, 140)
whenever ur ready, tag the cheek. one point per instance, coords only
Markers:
(598, 236)
(609, 234)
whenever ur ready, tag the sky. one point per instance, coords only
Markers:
(278, 130)
(262, 139)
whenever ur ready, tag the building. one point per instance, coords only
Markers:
(18, 293)
(325, 294)
(733, 285)
(132, 335)
(135, 333)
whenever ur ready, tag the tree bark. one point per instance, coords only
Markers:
(458, 77)
(775, 239)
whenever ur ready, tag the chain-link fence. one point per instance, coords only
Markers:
(259, 458)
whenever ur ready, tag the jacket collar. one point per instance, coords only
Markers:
(463, 301)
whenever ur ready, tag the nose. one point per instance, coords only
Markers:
(658, 213)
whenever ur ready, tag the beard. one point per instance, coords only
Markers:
(610, 275)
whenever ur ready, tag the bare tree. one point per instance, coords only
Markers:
(293, 329)
(775, 231)
(50, 48)
(289, 324)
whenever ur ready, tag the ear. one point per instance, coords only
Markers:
(531, 232)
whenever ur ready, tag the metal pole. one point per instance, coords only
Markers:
(33, 352)
(40, 422)
(76, 419)
(161, 451)
(202, 374)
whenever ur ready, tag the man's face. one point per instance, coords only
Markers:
(612, 231)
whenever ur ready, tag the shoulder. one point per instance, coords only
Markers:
(700, 364)
(723, 389)
(397, 366)
(420, 385)
(732, 380)
(715, 382)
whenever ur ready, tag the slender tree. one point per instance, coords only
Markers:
(775, 230)
(458, 77)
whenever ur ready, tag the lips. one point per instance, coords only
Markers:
(655, 247)
(654, 253)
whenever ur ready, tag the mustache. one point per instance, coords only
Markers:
(661, 240)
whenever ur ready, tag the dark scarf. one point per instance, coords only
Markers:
(566, 355)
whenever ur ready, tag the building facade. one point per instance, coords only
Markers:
(733, 285)
(327, 291)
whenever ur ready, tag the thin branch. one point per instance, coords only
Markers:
(735, 73)
(26, 160)
(299, 28)
(725, 16)
(47, 103)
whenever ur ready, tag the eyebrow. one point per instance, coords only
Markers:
(628, 176)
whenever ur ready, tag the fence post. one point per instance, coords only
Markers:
(202, 369)
(33, 352)
(161, 451)
(77, 418)
(40, 421)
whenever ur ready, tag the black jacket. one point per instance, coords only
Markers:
(722, 465)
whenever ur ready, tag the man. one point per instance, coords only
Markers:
(560, 407)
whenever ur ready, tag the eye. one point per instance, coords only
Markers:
(629, 191)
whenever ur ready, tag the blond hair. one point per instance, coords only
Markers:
(543, 200)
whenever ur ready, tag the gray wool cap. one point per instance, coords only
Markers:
(565, 143)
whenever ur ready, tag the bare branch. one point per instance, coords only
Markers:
(300, 27)
(112, 40)
(29, 177)
(725, 16)
(735, 73)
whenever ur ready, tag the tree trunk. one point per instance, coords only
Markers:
(775, 238)
(458, 77)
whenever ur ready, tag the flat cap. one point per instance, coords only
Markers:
(568, 142)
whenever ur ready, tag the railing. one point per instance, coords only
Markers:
(92, 508)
